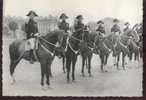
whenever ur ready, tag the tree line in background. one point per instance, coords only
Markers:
(14, 27)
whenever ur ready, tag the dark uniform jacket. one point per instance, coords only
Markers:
(31, 27)
(63, 26)
(127, 31)
(115, 28)
(79, 27)
(101, 29)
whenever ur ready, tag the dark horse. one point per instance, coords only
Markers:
(104, 47)
(134, 50)
(71, 54)
(45, 53)
(64, 47)
(121, 45)
(135, 46)
(86, 49)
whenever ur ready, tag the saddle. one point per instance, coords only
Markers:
(32, 46)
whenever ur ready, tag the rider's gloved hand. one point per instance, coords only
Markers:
(37, 34)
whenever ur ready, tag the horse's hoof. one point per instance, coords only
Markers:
(118, 68)
(64, 72)
(68, 81)
(51, 76)
(90, 75)
(44, 88)
(12, 83)
(102, 71)
(124, 69)
(105, 71)
(73, 81)
(49, 87)
(83, 75)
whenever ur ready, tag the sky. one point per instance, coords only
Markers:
(92, 10)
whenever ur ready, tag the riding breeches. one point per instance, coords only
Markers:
(32, 43)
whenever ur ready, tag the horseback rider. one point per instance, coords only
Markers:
(127, 29)
(116, 31)
(140, 31)
(78, 25)
(63, 25)
(101, 28)
(32, 30)
(116, 28)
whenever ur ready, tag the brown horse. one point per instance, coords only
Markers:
(46, 51)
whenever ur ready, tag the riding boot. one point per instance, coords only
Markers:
(31, 57)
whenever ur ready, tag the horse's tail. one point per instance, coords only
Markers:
(12, 50)
(14, 57)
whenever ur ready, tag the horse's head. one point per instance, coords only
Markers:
(60, 37)
(56, 38)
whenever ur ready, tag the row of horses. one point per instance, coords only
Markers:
(70, 47)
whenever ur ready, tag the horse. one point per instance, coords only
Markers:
(121, 45)
(46, 51)
(86, 49)
(104, 47)
(134, 49)
(134, 46)
(72, 51)
(64, 45)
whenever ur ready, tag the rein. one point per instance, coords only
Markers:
(75, 51)
(76, 39)
(48, 42)
(47, 50)
(68, 44)
(106, 47)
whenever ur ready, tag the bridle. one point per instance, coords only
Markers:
(47, 42)
(69, 44)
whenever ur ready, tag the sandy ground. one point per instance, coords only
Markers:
(112, 83)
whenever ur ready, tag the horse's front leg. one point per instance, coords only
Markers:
(48, 68)
(73, 67)
(83, 64)
(117, 63)
(86, 63)
(123, 61)
(42, 74)
(102, 62)
(68, 65)
(89, 64)
(63, 61)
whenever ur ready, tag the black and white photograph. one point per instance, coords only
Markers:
(79, 48)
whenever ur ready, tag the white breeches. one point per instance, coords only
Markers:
(31, 43)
